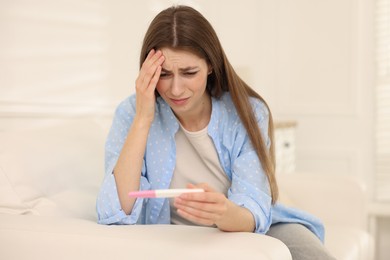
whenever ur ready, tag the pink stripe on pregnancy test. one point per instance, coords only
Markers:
(168, 193)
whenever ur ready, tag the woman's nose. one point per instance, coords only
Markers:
(177, 87)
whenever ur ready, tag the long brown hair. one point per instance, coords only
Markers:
(183, 27)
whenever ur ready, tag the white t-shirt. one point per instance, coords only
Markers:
(196, 162)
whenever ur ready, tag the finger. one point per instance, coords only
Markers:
(191, 186)
(217, 208)
(148, 57)
(154, 80)
(210, 195)
(152, 57)
(202, 185)
(150, 54)
(147, 61)
(148, 71)
(202, 197)
(199, 218)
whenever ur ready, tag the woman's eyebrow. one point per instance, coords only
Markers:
(181, 69)
(188, 68)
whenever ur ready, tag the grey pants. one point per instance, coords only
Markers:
(301, 242)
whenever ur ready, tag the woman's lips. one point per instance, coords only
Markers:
(181, 101)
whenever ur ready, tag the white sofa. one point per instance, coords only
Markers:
(340, 202)
(50, 172)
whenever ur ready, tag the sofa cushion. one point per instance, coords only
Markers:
(52, 169)
(10, 202)
(348, 242)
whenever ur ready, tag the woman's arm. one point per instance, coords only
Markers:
(127, 171)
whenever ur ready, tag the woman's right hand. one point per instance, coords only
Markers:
(145, 86)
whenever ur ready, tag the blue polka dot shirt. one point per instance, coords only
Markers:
(249, 185)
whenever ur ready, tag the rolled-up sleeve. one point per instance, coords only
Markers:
(108, 206)
(250, 187)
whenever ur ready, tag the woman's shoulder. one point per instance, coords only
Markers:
(126, 108)
(226, 103)
(258, 105)
(130, 102)
(224, 106)
(127, 104)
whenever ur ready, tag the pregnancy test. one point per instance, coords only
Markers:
(168, 193)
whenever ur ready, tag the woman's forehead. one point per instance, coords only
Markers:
(181, 58)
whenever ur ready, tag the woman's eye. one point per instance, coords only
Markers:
(191, 73)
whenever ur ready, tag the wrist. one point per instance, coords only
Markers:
(236, 219)
(142, 123)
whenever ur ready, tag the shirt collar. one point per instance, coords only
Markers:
(169, 119)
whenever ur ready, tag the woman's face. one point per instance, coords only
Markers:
(183, 80)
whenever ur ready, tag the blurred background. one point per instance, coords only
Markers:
(323, 67)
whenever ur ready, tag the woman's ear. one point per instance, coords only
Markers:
(210, 70)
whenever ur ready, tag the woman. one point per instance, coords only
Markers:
(194, 123)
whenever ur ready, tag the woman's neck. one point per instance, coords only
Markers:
(197, 120)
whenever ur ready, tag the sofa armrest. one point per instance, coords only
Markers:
(40, 237)
(335, 199)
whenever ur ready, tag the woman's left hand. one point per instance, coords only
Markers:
(206, 208)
